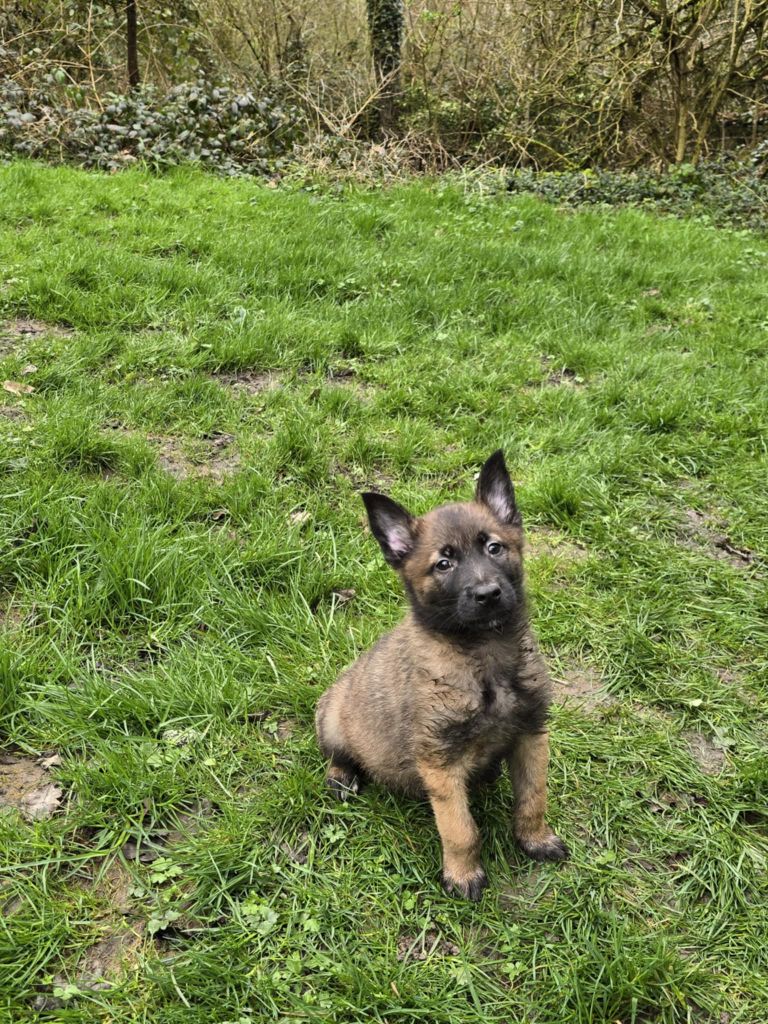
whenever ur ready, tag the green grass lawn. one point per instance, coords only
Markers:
(218, 369)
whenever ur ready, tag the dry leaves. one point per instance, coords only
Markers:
(23, 785)
(14, 387)
(41, 803)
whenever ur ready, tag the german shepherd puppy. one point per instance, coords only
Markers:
(459, 687)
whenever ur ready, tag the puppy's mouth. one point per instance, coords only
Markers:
(490, 623)
(493, 624)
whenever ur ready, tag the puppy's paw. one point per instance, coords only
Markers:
(343, 785)
(470, 887)
(545, 846)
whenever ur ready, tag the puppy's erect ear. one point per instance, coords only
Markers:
(496, 491)
(392, 527)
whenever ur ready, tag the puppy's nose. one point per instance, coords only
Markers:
(488, 594)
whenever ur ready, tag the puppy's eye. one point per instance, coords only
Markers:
(494, 548)
(443, 565)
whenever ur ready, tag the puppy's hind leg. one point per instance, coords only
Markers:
(345, 776)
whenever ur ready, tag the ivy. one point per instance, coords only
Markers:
(215, 126)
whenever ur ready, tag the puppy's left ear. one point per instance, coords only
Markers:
(496, 491)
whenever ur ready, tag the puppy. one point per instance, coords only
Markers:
(459, 687)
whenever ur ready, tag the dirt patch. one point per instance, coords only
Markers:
(110, 957)
(342, 375)
(345, 377)
(298, 851)
(556, 375)
(710, 758)
(11, 617)
(14, 332)
(419, 947)
(564, 376)
(541, 540)
(249, 382)
(211, 457)
(284, 729)
(701, 532)
(12, 412)
(581, 685)
(121, 932)
(112, 885)
(26, 786)
(728, 676)
(364, 479)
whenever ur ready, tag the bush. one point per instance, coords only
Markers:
(727, 191)
(215, 126)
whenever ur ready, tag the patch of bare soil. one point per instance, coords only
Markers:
(419, 947)
(105, 961)
(346, 377)
(298, 851)
(342, 375)
(581, 685)
(709, 757)
(26, 786)
(11, 617)
(286, 727)
(249, 382)
(122, 932)
(556, 375)
(12, 412)
(213, 457)
(361, 479)
(14, 332)
(541, 540)
(700, 531)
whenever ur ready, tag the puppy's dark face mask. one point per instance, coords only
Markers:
(461, 563)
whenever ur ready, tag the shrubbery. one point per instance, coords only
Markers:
(728, 191)
(236, 132)
(222, 129)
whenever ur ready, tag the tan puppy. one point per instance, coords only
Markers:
(459, 686)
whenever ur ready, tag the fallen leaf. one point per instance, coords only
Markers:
(15, 388)
(41, 804)
(49, 762)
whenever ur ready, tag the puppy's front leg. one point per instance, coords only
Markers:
(528, 764)
(462, 869)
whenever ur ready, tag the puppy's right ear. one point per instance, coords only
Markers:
(391, 525)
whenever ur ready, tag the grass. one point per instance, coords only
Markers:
(178, 514)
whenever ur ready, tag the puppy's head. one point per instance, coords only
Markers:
(462, 563)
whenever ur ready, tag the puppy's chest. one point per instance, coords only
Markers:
(486, 707)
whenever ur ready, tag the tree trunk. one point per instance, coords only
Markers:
(131, 34)
(385, 24)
